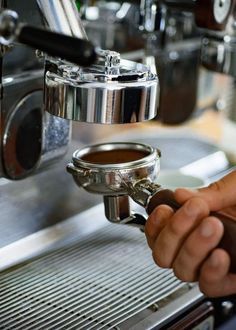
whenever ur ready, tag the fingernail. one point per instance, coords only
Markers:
(213, 260)
(206, 229)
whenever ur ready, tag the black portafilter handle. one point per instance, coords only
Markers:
(228, 241)
(75, 50)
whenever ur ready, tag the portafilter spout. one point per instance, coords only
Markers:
(122, 170)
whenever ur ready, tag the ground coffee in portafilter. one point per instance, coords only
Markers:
(114, 156)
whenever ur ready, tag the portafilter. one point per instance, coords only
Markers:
(121, 170)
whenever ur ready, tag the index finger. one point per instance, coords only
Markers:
(181, 224)
(218, 195)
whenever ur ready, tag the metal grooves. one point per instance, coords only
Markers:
(97, 283)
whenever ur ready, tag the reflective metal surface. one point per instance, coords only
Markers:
(81, 245)
(218, 54)
(113, 25)
(92, 274)
(221, 10)
(113, 91)
(62, 16)
(8, 26)
(51, 196)
(101, 278)
(17, 133)
(219, 49)
(112, 177)
(119, 171)
(117, 208)
(30, 139)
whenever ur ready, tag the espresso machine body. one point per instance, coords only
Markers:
(30, 138)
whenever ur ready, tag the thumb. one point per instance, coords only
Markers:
(218, 195)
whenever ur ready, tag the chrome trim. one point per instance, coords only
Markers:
(125, 93)
(112, 179)
(51, 238)
(218, 54)
(62, 16)
(172, 310)
(86, 273)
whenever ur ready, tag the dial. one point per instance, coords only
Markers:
(221, 10)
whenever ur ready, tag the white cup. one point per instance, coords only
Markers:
(173, 179)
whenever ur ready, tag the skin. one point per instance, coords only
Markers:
(187, 240)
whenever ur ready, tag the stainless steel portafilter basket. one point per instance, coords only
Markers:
(118, 171)
(122, 170)
(109, 169)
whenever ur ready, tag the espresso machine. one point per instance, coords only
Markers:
(65, 63)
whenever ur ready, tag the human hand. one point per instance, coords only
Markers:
(187, 240)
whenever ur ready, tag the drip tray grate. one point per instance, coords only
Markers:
(98, 283)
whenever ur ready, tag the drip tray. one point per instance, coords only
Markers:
(101, 277)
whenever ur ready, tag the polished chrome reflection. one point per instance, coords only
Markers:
(62, 16)
(112, 91)
(218, 54)
(112, 178)
(117, 171)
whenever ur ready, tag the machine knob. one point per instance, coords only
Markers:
(212, 14)
(209, 14)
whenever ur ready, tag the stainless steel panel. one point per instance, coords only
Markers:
(40, 201)
(62, 16)
(98, 281)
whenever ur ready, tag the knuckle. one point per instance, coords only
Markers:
(193, 210)
(151, 222)
(210, 282)
(149, 242)
(190, 250)
(217, 186)
(149, 228)
(162, 212)
(196, 206)
(183, 273)
(157, 220)
(193, 202)
(204, 289)
(208, 290)
(159, 259)
(175, 228)
(177, 273)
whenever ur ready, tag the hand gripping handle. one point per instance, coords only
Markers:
(228, 241)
